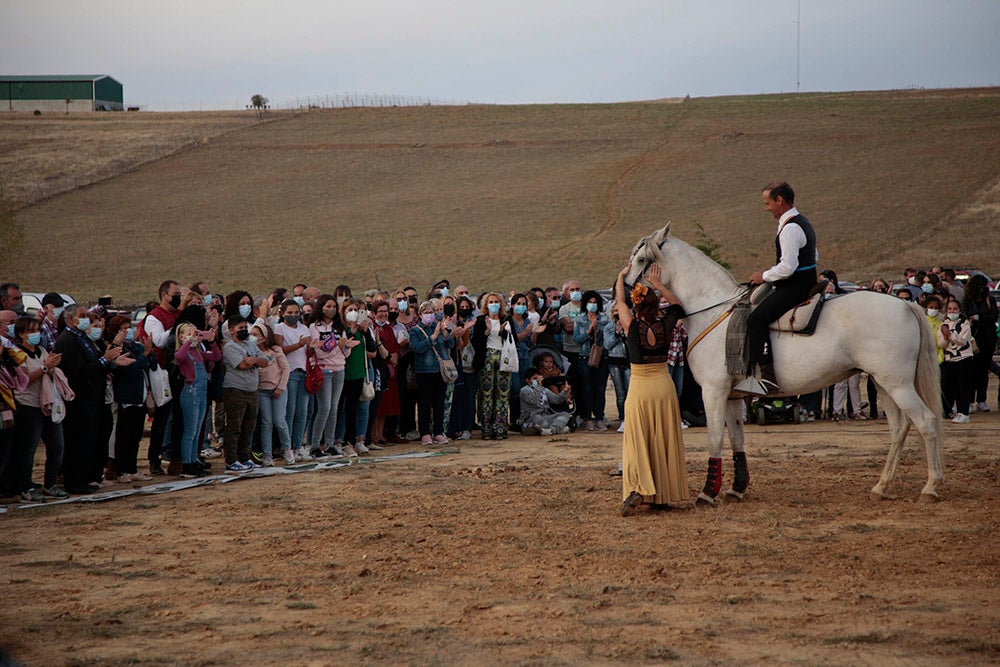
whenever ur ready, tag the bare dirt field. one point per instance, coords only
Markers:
(502, 197)
(514, 553)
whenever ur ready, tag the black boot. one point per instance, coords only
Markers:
(741, 473)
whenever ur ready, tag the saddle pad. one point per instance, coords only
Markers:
(798, 318)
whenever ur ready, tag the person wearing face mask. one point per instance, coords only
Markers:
(523, 328)
(157, 327)
(537, 415)
(463, 404)
(431, 340)
(447, 306)
(272, 395)
(353, 414)
(52, 308)
(238, 304)
(243, 361)
(330, 346)
(10, 298)
(405, 377)
(195, 348)
(955, 337)
(86, 369)
(388, 352)
(981, 310)
(294, 337)
(33, 424)
(492, 328)
(129, 390)
(593, 381)
(104, 457)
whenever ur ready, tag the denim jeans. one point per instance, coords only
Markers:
(620, 375)
(271, 414)
(327, 401)
(298, 407)
(194, 402)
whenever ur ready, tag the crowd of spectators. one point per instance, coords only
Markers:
(301, 374)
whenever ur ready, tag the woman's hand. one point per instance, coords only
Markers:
(120, 337)
(52, 360)
(112, 353)
(624, 272)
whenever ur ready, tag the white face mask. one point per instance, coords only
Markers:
(351, 316)
(953, 316)
(933, 312)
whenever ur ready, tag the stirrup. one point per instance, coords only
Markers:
(757, 387)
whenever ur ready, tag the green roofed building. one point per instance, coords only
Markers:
(85, 92)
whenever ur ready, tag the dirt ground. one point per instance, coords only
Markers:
(514, 552)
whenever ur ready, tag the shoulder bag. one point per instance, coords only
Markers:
(508, 353)
(314, 374)
(367, 385)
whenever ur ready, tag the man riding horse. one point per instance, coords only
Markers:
(792, 277)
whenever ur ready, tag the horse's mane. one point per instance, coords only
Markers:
(707, 269)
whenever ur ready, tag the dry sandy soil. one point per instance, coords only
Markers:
(514, 553)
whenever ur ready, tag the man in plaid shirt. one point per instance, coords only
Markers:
(52, 307)
(675, 357)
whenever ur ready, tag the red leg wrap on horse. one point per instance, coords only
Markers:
(713, 484)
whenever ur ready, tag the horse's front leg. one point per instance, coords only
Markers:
(741, 473)
(715, 414)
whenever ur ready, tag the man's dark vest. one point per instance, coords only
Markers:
(807, 253)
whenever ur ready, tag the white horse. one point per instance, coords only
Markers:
(882, 335)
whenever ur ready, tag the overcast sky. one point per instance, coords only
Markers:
(215, 54)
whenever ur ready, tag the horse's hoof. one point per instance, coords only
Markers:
(876, 496)
(734, 494)
(704, 500)
(928, 498)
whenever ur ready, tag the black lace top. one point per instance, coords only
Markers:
(639, 349)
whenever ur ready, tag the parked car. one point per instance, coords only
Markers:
(33, 301)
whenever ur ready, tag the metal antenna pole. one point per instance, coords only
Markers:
(798, 28)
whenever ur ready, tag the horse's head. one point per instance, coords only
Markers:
(645, 253)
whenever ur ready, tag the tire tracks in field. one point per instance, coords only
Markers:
(611, 201)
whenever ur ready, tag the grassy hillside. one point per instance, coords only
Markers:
(513, 196)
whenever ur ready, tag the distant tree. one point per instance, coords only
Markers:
(710, 246)
(11, 233)
(259, 102)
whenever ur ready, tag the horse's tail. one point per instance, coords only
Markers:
(928, 380)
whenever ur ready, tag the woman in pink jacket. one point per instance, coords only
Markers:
(330, 345)
(194, 349)
(272, 399)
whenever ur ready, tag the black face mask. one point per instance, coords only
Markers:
(412, 299)
(449, 309)
(465, 313)
(393, 316)
(242, 334)
(175, 301)
(291, 320)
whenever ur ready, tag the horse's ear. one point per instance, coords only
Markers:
(661, 235)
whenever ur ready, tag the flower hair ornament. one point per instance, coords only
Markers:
(638, 294)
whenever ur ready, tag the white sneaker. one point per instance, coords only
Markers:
(465, 435)
(361, 448)
(972, 408)
(684, 424)
(983, 407)
(960, 419)
(289, 456)
(546, 431)
(621, 427)
(302, 454)
(412, 435)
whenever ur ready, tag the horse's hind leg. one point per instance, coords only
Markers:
(741, 473)
(899, 427)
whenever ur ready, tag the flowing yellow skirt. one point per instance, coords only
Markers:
(653, 449)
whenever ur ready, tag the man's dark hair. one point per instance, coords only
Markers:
(165, 288)
(531, 372)
(949, 274)
(234, 322)
(6, 288)
(780, 189)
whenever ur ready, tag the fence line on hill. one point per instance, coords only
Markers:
(354, 100)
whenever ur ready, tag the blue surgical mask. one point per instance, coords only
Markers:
(494, 308)
(299, 300)
(403, 305)
(575, 296)
(520, 309)
(554, 303)
(10, 330)
(534, 383)
(439, 316)
(927, 288)
(34, 338)
(953, 316)
(245, 310)
(83, 324)
(444, 292)
(591, 307)
(95, 333)
(58, 311)
(130, 335)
